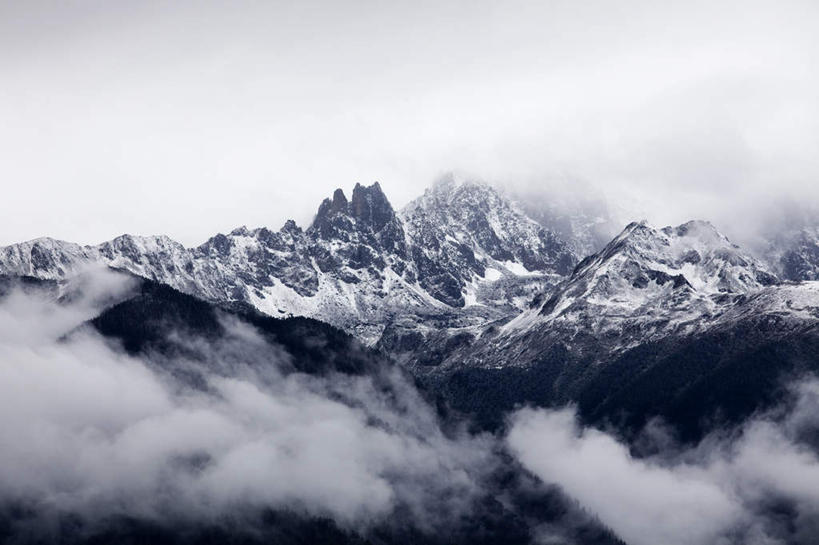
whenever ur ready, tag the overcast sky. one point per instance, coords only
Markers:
(188, 118)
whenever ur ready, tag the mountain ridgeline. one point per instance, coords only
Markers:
(459, 255)
(489, 308)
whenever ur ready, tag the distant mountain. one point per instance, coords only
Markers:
(574, 211)
(461, 231)
(786, 237)
(646, 282)
(794, 250)
(800, 261)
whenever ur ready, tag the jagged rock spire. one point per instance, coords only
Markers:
(370, 206)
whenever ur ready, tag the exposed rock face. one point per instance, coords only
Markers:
(363, 234)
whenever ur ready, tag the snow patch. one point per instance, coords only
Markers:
(518, 269)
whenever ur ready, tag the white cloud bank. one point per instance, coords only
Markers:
(86, 429)
(732, 488)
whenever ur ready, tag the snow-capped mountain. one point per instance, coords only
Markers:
(460, 255)
(664, 277)
(463, 232)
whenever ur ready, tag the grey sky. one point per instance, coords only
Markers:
(188, 118)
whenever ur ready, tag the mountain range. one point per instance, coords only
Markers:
(463, 284)
(459, 257)
(467, 299)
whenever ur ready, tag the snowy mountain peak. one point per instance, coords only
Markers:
(44, 257)
(707, 260)
(465, 231)
(661, 277)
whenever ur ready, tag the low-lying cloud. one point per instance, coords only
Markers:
(758, 484)
(87, 429)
